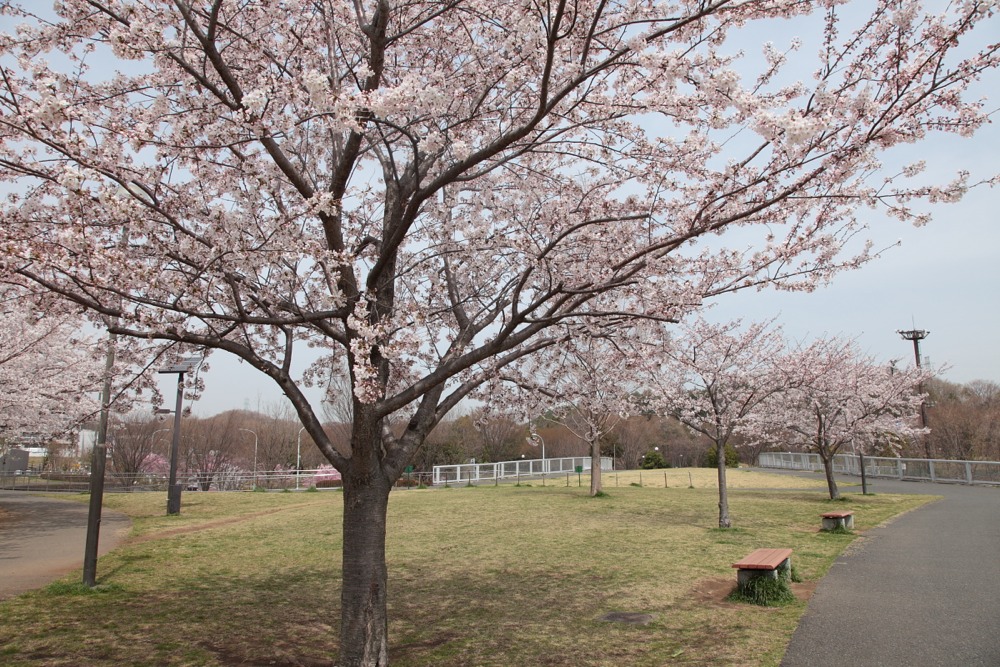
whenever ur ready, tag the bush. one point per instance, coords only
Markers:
(652, 460)
(712, 457)
(764, 591)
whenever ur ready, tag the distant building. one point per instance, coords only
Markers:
(12, 461)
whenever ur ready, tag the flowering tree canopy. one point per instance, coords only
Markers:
(423, 189)
(842, 398)
(714, 379)
(49, 371)
(585, 382)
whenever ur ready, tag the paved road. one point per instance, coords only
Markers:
(42, 539)
(922, 591)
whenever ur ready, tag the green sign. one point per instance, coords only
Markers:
(579, 469)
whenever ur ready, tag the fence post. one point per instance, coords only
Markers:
(968, 472)
(931, 466)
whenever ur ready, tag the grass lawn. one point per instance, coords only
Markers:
(508, 575)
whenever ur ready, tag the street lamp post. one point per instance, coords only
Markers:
(917, 335)
(534, 440)
(298, 458)
(173, 488)
(246, 430)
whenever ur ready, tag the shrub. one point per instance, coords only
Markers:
(652, 460)
(764, 591)
(712, 457)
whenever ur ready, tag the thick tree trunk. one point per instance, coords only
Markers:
(724, 521)
(364, 637)
(595, 467)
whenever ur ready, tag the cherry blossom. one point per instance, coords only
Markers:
(840, 399)
(427, 192)
(715, 379)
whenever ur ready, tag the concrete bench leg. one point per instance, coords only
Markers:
(846, 523)
(743, 577)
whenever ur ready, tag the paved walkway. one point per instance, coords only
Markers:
(42, 539)
(922, 591)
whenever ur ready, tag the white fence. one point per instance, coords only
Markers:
(930, 470)
(472, 473)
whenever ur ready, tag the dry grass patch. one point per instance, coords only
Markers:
(478, 576)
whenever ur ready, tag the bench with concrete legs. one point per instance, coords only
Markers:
(838, 520)
(764, 563)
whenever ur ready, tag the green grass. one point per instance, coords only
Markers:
(486, 576)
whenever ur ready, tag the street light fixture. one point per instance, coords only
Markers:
(534, 440)
(246, 430)
(183, 366)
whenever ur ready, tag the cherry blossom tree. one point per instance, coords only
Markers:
(423, 190)
(49, 370)
(714, 379)
(843, 398)
(584, 382)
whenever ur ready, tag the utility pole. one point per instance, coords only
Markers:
(917, 335)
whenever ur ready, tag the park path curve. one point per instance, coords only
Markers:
(921, 591)
(43, 538)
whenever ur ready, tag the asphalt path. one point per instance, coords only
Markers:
(923, 590)
(43, 538)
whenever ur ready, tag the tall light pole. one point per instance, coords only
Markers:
(917, 335)
(173, 488)
(298, 458)
(534, 440)
(99, 459)
(246, 430)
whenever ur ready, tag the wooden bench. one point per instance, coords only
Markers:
(838, 520)
(764, 563)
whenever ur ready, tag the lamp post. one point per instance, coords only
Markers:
(298, 458)
(173, 488)
(917, 335)
(534, 440)
(246, 430)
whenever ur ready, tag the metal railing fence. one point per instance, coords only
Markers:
(930, 470)
(227, 480)
(473, 473)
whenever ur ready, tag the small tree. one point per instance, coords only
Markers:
(842, 398)
(134, 439)
(585, 383)
(652, 460)
(714, 379)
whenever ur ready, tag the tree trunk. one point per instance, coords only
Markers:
(364, 637)
(595, 467)
(831, 483)
(724, 520)
(364, 640)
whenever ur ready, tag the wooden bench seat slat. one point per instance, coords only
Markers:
(836, 515)
(764, 559)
